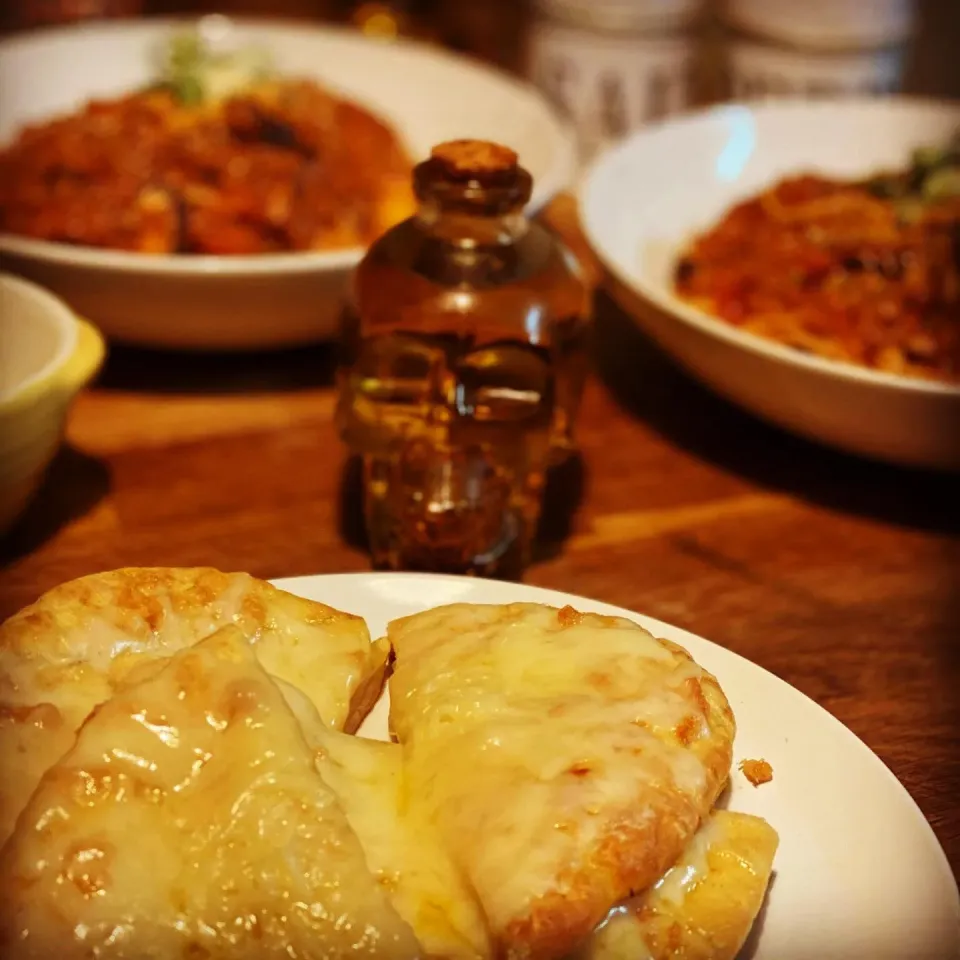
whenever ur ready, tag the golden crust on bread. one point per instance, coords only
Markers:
(70, 650)
(189, 820)
(704, 906)
(566, 758)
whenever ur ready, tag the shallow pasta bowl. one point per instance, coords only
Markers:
(645, 199)
(270, 300)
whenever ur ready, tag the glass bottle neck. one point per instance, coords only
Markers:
(464, 229)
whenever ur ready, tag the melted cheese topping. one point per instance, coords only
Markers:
(703, 907)
(189, 820)
(401, 848)
(68, 652)
(209, 808)
(565, 758)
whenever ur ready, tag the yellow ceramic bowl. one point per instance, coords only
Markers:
(46, 356)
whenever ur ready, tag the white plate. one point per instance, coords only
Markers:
(643, 200)
(859, 874)
(213, 302)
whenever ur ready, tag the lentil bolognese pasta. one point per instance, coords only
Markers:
(861, 271)
(221, 156)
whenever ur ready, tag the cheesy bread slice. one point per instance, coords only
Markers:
(72, 649)
(189, 820)
(402, 849)
(566, 759)
(704, 907)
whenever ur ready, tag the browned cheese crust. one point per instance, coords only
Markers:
(756, 771)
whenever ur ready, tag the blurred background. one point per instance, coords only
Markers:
(612, 65)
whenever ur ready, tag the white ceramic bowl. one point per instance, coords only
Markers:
(211, 302)
(644, 199)
(46, 356)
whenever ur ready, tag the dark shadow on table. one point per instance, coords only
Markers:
(648, 385)
(561, 499)
(353, 529)
(165, 371)
(73, 485)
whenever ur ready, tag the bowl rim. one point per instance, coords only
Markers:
(560, 174)
(66, 322)
(675, 308)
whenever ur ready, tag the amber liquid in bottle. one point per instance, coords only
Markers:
(464, 356)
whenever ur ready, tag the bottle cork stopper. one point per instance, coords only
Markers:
(464, 158)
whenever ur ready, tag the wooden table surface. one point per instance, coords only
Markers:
(838, 575)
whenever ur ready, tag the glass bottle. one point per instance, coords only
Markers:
(464, 356)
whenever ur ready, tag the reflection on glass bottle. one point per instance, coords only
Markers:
(464, 355)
